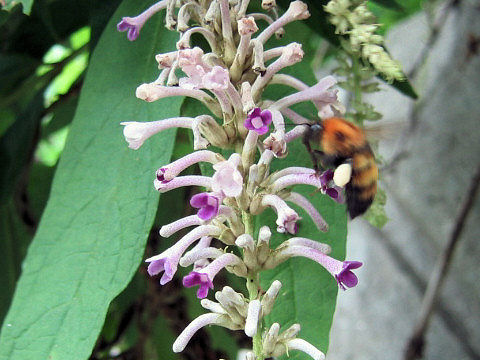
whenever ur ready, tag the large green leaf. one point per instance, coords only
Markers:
(102, 204)
(16, 146)
(14, 239)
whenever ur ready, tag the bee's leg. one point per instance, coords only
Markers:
(314, 154)
(318, 162)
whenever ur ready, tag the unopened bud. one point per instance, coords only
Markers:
(245, 241)
(263, 248)
(269, 297)
(264, 235)
(253, 317)
(290, 333)
(212, 306)
(212, 131)
(270, 339)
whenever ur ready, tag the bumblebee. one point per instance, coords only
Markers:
(337, 141)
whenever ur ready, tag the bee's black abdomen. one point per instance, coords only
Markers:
(356, 205)
(362, 187)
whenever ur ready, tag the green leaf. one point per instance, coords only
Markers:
(26, 5)
(16, 146)
(376, 214)
(15, 68)
(93, 231)
(100, 12)
(403, 86)
(388, 16)
(391, 4)
(318, 20)
(15, 237)
(50, 23)
(62, 114)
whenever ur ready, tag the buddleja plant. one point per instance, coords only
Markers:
(230, 78)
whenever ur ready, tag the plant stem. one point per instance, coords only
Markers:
(253, 283)
(252, 286)
(248, 222)
(357, 90)
(257, 344)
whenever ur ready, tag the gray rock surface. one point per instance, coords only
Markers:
(425, 191)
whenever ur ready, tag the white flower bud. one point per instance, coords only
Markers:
(290, 333)
(253, 316)
(268, 299)
(264, 235)
(245, 241)
(271, 338)
(212, 306)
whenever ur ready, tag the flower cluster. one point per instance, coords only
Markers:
(230, 81)
(352, 17)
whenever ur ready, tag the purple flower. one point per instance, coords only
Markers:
(340, 270)
(202, 279)
(168, 260)
(258, 121)
(346, 277)
(166, 264)
(334, 191)
(161, 175)
(132, 26)
(207, 203)
(193, 327)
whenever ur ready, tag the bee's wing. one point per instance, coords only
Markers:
(385, 130)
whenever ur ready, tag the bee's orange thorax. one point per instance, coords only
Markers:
(341, 137)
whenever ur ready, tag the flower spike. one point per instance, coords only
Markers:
(237, 151)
